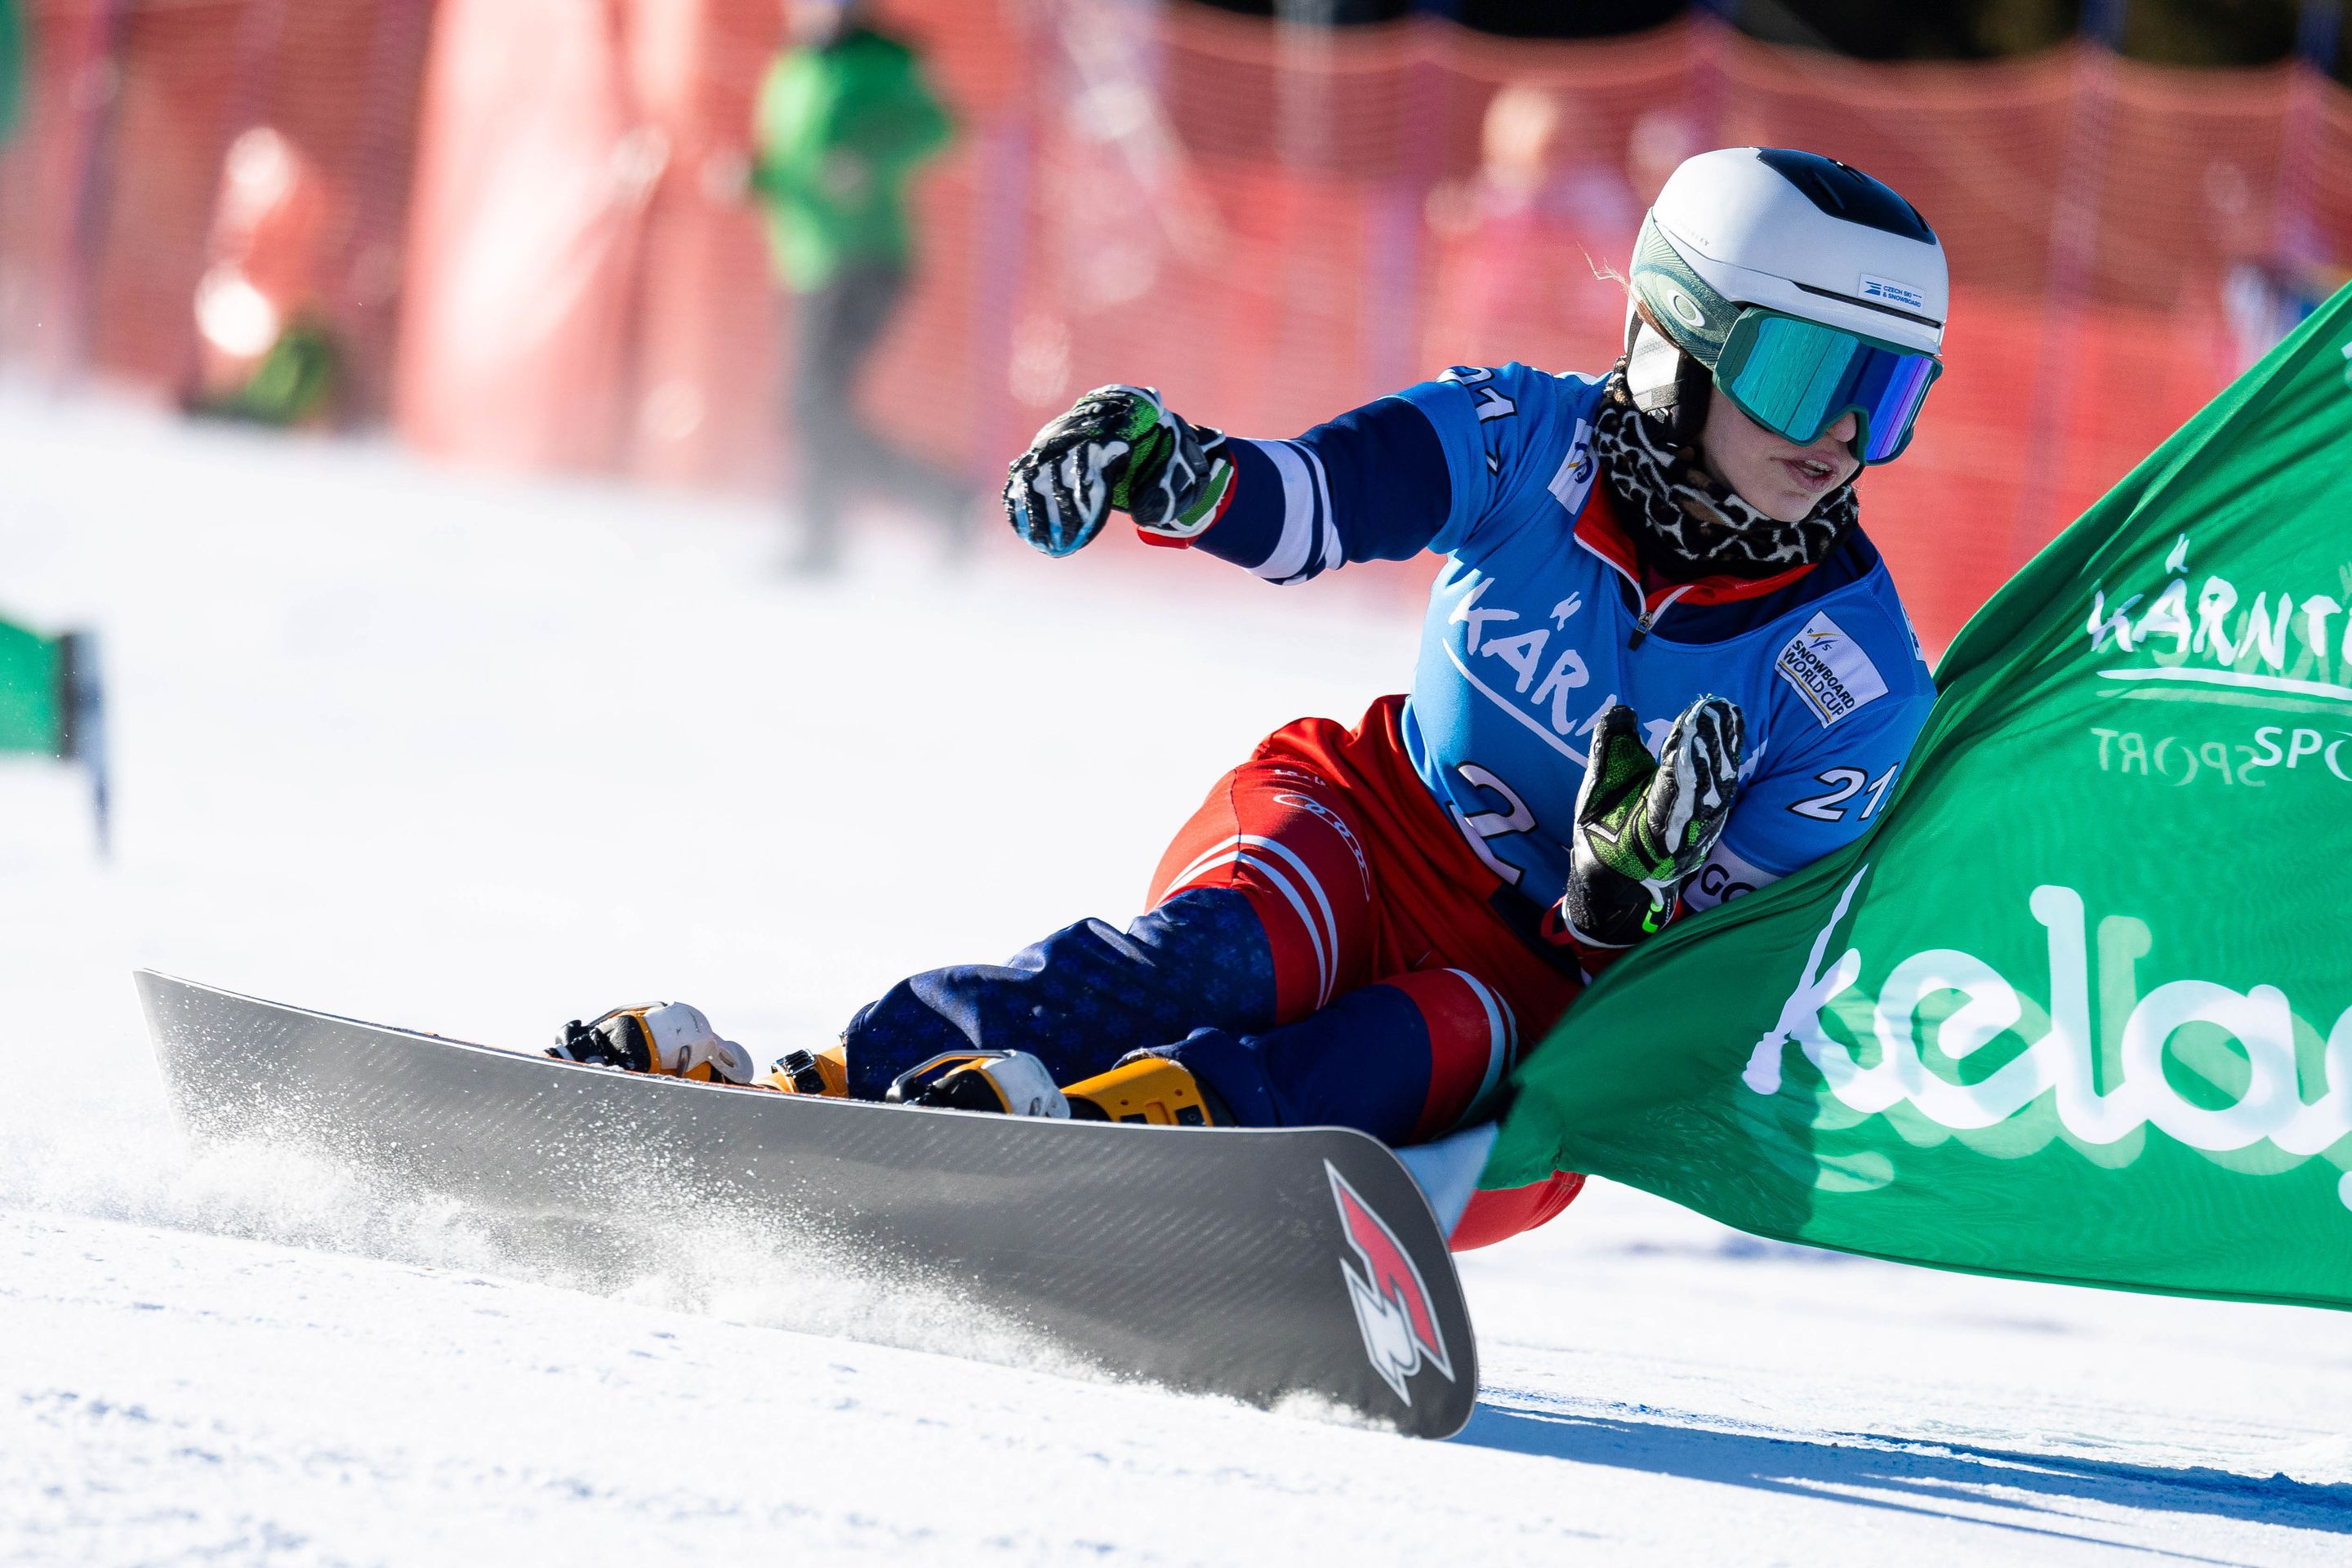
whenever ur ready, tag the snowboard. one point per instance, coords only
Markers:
(1262, 1265)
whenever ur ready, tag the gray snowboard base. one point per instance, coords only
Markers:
(1262, 1265)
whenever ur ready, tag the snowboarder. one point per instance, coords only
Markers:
(1662, 666)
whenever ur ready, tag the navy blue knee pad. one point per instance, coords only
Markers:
(1363, 1062)
(1080, 999)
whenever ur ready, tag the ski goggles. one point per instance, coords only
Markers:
(1797, 378)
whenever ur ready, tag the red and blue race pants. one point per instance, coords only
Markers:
(1321, 949)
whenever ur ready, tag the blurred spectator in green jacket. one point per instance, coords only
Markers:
(12, 67)
(844, 120)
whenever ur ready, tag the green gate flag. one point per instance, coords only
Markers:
(2079, 1007)
(50, 705)
(34, 688)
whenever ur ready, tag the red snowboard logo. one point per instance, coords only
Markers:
(1392, 1304)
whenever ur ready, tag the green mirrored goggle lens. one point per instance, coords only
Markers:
(1798, 378)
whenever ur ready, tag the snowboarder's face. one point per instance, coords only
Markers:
(1777, 477)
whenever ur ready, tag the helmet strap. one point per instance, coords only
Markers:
(1666, 382)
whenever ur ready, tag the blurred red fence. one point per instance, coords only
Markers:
(110, 192)
(1270, 224)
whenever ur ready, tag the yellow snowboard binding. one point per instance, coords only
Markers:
(825, 1072)
(1151, 1089)
(670, 1039)
(1011, 1083)
(675, 1040)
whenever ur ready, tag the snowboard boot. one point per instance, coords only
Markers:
(1011, 1082)
(666, 1037)
(1155, 1090)
(825, 1072)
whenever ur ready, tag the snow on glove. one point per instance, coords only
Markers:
(1118, 449)
(1642, 825)
(667, 1038)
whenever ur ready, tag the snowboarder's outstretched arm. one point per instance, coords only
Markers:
(1372, 484)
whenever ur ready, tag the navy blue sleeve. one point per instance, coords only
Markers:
(1370, 485)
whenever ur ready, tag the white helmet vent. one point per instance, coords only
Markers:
(1846, 193)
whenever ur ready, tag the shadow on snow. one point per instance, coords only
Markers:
(1910, 1475)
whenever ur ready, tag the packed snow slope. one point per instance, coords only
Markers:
(479, 755)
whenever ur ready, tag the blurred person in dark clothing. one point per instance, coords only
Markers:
(844, 120)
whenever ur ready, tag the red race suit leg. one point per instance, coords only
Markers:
(1401, 994)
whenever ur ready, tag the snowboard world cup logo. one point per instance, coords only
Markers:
(1392, 1308)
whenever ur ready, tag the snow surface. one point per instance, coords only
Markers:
(478, 756)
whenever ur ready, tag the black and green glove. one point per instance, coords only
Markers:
(1643, 824)
(1119, 449)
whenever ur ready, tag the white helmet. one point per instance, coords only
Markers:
(1748, 253)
